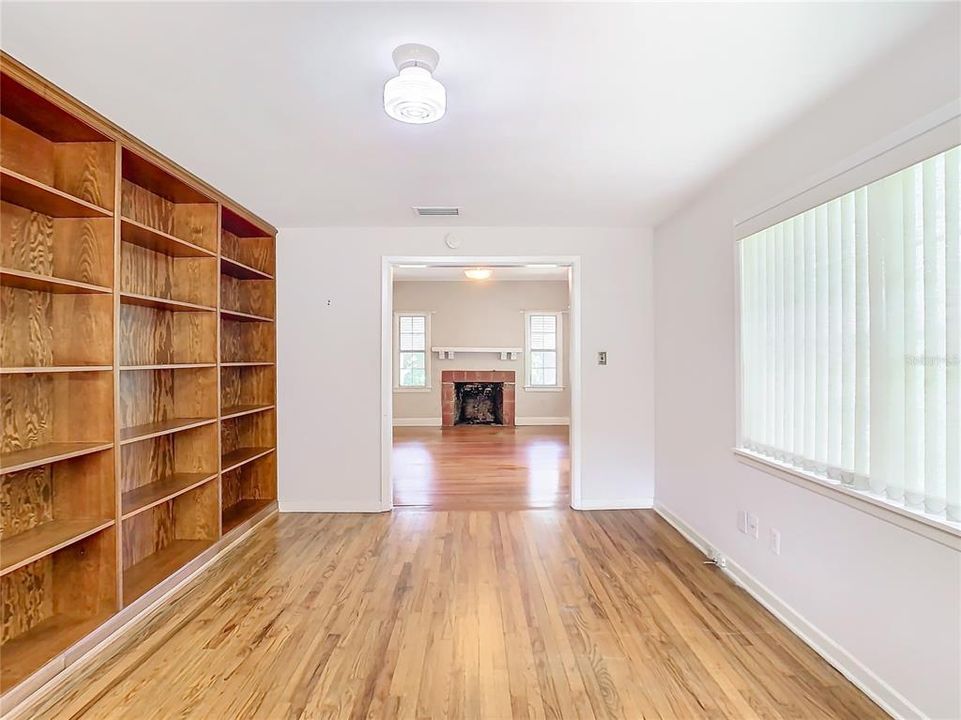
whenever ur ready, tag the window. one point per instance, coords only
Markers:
(851, 339)
(412, 333)
(543, 350)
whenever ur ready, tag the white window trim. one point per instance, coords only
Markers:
(559, 386)
(395, 352)
(929, 135)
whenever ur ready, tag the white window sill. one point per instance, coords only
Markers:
(398, 388)
(943, 531)
(544, 388)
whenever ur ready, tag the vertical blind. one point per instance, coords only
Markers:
(851, 339)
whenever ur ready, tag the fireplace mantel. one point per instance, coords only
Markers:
(447, 353)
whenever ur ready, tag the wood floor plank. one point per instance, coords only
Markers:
(456, 614)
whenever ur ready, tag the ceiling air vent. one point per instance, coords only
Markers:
(437, 211)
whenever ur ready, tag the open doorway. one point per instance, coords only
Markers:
(483, 383)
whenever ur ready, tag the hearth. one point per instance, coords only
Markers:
(477, 397)
(479, 403)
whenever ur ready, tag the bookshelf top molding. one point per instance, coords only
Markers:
(15, 70)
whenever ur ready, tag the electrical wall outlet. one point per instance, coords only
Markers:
(602, 357)
(752, 525)
(742, 521)
(774, 541)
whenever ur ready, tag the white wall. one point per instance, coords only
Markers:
(884, 600)
(484, 314)
(329, 346)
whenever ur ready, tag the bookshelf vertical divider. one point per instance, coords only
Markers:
(137, 376)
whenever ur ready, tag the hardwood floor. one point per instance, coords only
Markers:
(475, 615)
(482, 467)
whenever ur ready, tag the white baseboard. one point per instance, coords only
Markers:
(417, 422)
(542, 421)
(324, 506)
(890, 700)
(644, 503)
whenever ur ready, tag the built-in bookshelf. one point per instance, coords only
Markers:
(137, 372)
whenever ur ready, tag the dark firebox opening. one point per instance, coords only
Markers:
(478, 403)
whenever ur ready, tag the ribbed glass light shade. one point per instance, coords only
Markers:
(415, 97)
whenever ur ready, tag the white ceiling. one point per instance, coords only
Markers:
(559, 114)
(452, 273)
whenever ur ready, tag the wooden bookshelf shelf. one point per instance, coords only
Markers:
(136, 433)
(243, 317)
(238, 270)
(45, 283)
(26, 652)
(17, 460)
(234, 411)
(141, 577)
(167, 366)
(241, 511)
(241, 456)
(137, 354)
(42, 198)
(32, 370)
(144, 236)
(146, 496)
(163, 303)
(33, 544)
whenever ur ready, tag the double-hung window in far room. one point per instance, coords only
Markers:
(412, 330)
(543, 347)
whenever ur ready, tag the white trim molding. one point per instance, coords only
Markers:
(642, 503)
(324, 506)
(418, 422)
(890, 700)
(542, 421)
(388, 263)
(942, 531)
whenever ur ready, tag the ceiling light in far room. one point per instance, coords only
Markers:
(414, 96)
(478, 273)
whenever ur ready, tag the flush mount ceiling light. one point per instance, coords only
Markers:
(414, 96)
(478, 273)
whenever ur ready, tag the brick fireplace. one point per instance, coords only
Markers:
(499, 384)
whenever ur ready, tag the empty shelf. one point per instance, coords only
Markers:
(137, 233)
(240, 512)
(240, 271)
(164, 427)
(238, 410)
(33, 195)
(25, 653)
(146, 496)
(162, 303)
(241, 456)
(48, 453)
(30, 370)
(23, 548)
(153, 569)
(46, 283)
(238, 316)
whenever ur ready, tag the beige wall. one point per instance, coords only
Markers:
(482, 314)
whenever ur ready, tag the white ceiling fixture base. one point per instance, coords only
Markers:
(414, 96)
